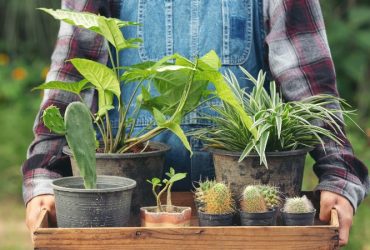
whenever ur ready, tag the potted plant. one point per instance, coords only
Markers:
(258, 205)
(180, 85)
(90, 201)
(298, 211)
(218, 208)
(165, 215)
(200, 191)
(271, 149)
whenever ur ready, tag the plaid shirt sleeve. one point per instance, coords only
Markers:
(301, 63)
(45, 160)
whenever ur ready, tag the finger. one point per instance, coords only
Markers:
(31, 219)
(345, 223)
(327, 202)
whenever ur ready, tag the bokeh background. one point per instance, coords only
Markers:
(26, 42)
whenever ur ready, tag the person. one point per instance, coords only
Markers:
(285, 37)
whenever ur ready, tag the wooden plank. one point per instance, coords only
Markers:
(277, 237)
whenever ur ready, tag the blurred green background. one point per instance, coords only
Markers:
(26, 42)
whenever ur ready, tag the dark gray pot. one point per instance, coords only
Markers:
(298, 219)
(137, 166)
(257, 219)
(107, 206)
(285, 169)
(215, 220)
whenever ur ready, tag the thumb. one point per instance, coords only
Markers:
(327, 202)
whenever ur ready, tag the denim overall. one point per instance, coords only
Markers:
(233, 28)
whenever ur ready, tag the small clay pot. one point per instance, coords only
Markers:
(180, 217)
(215, 220)
(298, 219)
(257, 219)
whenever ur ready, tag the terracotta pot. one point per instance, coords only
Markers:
(179, 218)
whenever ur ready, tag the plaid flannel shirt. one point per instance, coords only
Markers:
(300, 62)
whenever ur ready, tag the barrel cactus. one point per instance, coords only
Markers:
(80, 134)
(201, 190)
(298, 205)
(252, 200)
(271, 194)
(218, 200)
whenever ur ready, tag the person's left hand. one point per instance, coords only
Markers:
(331, 200)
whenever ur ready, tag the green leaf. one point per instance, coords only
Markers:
(177, 177)
(53, 120)
(103, 78)
(74, 87)
(246, 150)
(210, 60)
(159, 117)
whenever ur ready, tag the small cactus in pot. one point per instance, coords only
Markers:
(254, 209)
(218, 207)
(202, 188)
(298, 211)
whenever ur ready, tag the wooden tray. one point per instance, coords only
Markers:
(318, 236)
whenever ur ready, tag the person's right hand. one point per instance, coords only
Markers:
(34, 208)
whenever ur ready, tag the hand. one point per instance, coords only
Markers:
(331, 200)
(34, 208)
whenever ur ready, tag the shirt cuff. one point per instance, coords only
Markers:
(353, 192)
(38, 182)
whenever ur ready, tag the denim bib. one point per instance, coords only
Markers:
(233, 28)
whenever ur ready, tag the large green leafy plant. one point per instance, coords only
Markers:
(281, 126)
(180, 85)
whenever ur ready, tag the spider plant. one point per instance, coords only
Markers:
(281, 126)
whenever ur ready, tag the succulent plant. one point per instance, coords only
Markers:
(271, 194)
(252, 200)
(298, 205)
(218, 200)
(203, 187)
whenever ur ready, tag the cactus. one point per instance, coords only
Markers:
(80, 135)
(271, 195)
(203, 187)
(298, 205)
(253, 201)
(218, 200)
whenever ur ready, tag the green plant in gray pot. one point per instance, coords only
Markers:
(256, 208)
(218, 208)
(272, 148)
(298, 211)
(90, 200)
(180, 84)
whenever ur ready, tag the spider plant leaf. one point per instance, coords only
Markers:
(246, 150)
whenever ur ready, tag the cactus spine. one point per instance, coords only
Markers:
(80, 134)
(271, 195)
(298, 205)
(218, 200)
(202, 189)
(253, 200)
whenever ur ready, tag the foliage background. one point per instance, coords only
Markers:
(27, 39)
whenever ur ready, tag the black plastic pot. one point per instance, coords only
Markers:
(257, 219)
(298, 219)
(106, 206)
(137, 166)
(215, 220)
(285, 170)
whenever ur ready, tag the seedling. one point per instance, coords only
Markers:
(168, 183)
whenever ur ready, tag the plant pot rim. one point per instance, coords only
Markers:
(159, 146)
(311, 212)
(56, 184)
(270, 211)
(204, 213)
(183, 210)
(302, 151)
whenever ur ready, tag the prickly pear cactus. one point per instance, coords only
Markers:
(271, 194)
(253, 201)
(218, 200)
(298, 205)
(80, 136)
(53, 120)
